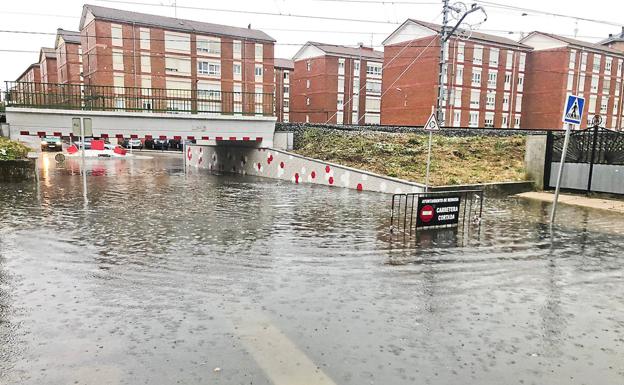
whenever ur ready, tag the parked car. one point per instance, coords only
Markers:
(161, 144)
(87, 144)
(51, 143)
(133, 143)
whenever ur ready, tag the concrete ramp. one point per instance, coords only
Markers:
(278, 164)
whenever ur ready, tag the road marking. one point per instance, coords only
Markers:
(279, 358)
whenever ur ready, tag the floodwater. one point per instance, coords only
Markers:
(167, 278)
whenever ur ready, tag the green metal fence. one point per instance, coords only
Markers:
(137, 99)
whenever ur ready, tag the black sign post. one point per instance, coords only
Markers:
(438, 212)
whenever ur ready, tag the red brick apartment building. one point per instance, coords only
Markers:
(484, 83)
(336, 84)
(122, 48)
(614, 41)
(560, 66)
(47, 65)
(283, 72)
(32, 74)
(68, 57)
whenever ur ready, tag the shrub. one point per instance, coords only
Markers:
(11, 150)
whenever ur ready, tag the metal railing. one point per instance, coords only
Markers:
(136, 99)
(404, 211)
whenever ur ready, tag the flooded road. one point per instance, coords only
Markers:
(167, 278)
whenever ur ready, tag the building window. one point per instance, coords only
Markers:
(307, 101)
(475, 96)
(570, 81)
(592, 104)
(474, 119)
(606, 86)
(476, 77)
(145, 38)
(356, 67)
(286, 75)
(616, 104)
(373, 87)
(237, 49)
(177, 42)
(286, 89)
(522, 61)
(116, 35)
(457, 97)
(258, 70)
(520, 82)
(572, 59)
(341, 84)
(489, 120)
(584, 61)
(208, 68)
(494, 53)
(373, 69)
(286, 104)
(517, 122)
(603, 105)
(118, 62)
(459, 75)
(456, 118)
(478, 55)
(308, 83)
(505, 121)
(461, 48)
(492, 77)
(237, 69)
(508, 81)
(309, 65)
(506, 101)
(209, 46)
(341, 66)
(596, 64)
(518, 103)
(340, 102)
(259, 52)
(490, 101)
(509, 62)
(594, 83)
(608, 64)
(146, 63)
(307, 118)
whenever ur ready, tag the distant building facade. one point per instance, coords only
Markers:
(283, 73)
(336, 84)
(48, 66)
(32, 74)
(559, 66)
(209, 61)
(68, 57)
(484, 80)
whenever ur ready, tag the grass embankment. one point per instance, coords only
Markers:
(11, 150)
(455, 160)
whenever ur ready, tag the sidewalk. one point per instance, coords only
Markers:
(614, 206)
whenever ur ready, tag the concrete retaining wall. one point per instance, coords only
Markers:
(278, 164)
(17, 170)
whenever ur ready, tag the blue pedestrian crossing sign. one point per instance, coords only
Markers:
(573, 111)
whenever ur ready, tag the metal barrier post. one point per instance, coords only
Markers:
(560, 174)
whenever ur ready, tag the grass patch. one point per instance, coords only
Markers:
(11, 150)
(455, 160)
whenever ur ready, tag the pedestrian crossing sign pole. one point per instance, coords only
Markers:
(432, 125)
(572, 117)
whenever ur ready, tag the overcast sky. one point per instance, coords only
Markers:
(291, 32)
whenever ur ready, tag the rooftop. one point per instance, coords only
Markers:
(71, 37)
(578, 43)
(50, 53)
(284, 63)
(171, 23)
(362, 52)
(613, 38)
(473, 35)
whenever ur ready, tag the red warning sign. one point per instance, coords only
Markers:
(426, 213)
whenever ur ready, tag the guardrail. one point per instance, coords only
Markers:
(136, 99)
